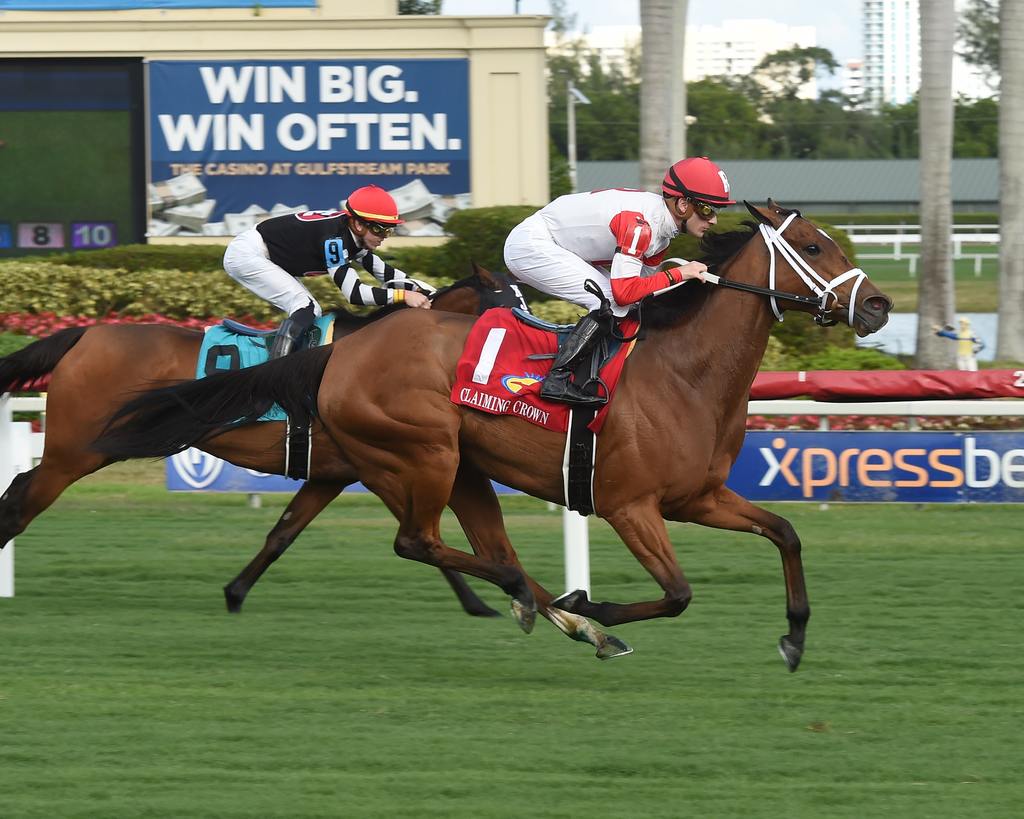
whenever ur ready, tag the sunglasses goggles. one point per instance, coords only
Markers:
(704, 210)
(377, 229)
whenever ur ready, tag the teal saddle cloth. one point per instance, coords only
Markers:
(233, 346)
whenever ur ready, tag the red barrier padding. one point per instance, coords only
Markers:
(888, 385)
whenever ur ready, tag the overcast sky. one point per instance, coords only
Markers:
(837, 21)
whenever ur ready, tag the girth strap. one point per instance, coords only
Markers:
(298, 448)
(578, 461)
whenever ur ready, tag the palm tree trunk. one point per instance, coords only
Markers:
(662, 90)
(1010, 340)
(935, 124)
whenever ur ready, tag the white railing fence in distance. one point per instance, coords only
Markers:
(20, 447)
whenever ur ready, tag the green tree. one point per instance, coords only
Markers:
(725, 124)
(781, 73)
(975, 127)
(607, 129)
(979, 36)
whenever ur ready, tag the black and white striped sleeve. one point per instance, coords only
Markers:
(359, 293)
(379, 269)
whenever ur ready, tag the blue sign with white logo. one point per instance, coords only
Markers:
(914, 467)
(309, 132)
(195, 471)
(919, 467)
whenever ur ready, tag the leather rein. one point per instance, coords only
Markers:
(824, 289)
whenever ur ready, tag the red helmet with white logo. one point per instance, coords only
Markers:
(698, 178)
(373, 204)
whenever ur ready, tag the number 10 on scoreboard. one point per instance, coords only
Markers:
(93, 235)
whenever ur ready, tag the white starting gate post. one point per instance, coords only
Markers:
(15, 457)
(577, 551)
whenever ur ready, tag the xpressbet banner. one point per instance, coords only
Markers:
(236, 138)
(916, 467)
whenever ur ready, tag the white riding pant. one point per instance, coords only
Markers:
(247, 261)
(533, 257)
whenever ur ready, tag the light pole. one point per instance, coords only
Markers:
(572, 96)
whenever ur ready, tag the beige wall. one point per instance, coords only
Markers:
(508, 108)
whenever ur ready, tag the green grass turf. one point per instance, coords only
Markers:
(352, 686)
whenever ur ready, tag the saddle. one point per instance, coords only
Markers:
(587, 370)
(505, 359)
(232, 345)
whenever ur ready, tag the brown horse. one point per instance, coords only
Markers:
(94, 370)
(675, 427)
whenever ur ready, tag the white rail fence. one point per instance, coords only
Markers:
(901, 236)
(20, 448)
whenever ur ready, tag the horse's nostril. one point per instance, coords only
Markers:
(876, 304)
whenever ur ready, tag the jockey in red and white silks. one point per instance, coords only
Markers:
(617, 238)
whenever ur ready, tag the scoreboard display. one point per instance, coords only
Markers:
(50, 235)
(72, 155)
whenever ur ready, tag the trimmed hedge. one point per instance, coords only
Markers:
(146, 257)
(37, 286)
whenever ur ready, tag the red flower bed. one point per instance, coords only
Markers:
(883, 423)
(45, 324)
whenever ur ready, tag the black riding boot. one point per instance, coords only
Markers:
(558, 385)
(291, 330)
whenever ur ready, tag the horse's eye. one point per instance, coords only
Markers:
(812, 250)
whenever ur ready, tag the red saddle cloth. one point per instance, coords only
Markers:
(495, 374)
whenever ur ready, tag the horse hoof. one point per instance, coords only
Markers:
(233, 600)
(790, 652)
(613, 647)
(526, 616)
(571, 602)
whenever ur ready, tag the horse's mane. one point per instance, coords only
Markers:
(715, 249)
(346, 318)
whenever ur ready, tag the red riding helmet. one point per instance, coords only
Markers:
(698, 178)
(373, 204)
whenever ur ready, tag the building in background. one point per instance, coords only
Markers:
(735, 48)
(853, 81)
(732, 49)
(892, 55)
(892, 51)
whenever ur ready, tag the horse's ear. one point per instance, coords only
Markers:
(781, 210)
(757, 213)
(485, 276)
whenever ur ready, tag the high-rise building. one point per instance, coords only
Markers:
(892, 51)
(853, 80)
(736, 47)
(732, 49)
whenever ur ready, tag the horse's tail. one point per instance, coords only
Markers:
(168, 420)
(20, 370)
